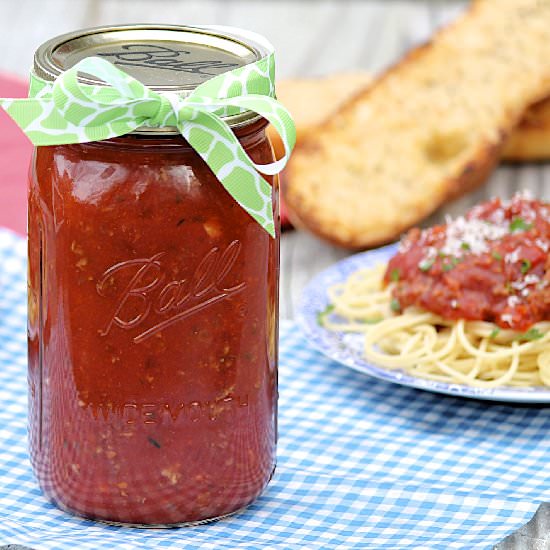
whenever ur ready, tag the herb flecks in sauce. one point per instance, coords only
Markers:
(154, 442)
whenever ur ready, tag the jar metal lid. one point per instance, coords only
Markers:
(164, 57)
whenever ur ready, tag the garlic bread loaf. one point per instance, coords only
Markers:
(430, 129)
(311, 101)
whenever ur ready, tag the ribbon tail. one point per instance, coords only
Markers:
(44, 124)
(275, 114)
(279, 117)
(218, 146)
(41, 122)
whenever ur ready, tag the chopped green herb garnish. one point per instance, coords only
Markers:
(395, 275)
(465, 246)
(154, 442)
(494, 333)
(322, 315)
(395, 305)
(525, 266)
(531, 334)
(372, 320)
(519, 224)
(425, 265)
(451, 263)
(496, 255)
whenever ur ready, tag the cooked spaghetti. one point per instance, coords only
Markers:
(467, 302)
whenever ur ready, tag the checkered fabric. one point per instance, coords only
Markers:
(361, 463)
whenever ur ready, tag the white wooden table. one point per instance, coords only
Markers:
(312, 37)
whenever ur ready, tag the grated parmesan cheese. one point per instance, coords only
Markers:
(530, 279)
(507, 318)
(512, 257)
(471, 234)
(542, 245)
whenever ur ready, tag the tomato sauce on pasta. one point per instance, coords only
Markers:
(490, 265)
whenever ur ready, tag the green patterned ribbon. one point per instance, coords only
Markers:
(71, 112)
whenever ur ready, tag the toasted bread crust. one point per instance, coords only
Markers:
(472, 176)
(343, 183)
(530, 141)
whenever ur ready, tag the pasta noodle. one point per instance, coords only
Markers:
(473, 353)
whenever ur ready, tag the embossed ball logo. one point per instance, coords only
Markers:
(162, 57)
(150, 301)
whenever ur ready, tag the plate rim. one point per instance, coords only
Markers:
(318, 337)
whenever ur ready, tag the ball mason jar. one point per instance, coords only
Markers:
(153, 308)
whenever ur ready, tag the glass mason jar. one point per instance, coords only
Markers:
(153, 325)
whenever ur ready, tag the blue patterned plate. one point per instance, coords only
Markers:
(347, 348)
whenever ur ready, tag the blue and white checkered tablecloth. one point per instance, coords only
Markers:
(362, 463)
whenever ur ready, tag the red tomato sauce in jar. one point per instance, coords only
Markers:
(491, 265)
(153, 328)
(153, 343)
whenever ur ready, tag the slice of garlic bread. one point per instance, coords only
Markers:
(431, 128)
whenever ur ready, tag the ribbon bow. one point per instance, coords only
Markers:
(72, 112)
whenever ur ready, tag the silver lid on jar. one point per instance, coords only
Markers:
(163, 57)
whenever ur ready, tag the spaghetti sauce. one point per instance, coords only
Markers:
(153, 311)
(491, 265)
